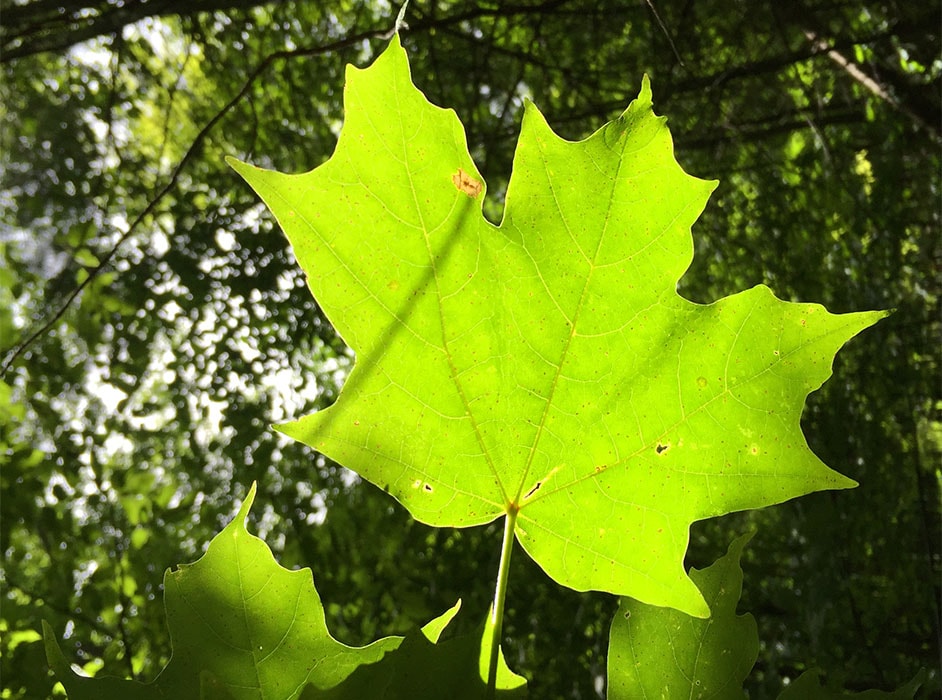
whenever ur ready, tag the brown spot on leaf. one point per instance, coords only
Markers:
(467, 184)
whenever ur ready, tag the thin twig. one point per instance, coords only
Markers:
(106, 259)
(670, 39)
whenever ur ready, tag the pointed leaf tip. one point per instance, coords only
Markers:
(54, 656)
(247, 504)
(433, 629)
(645, 95)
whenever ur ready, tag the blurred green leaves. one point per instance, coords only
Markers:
(89, 132)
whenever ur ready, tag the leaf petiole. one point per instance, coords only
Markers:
(500, 593)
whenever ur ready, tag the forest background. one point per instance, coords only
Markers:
(153, 322)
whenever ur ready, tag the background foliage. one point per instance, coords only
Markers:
(131, 427)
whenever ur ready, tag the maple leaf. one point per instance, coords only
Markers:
(242, 626)
(808, 687)
(656, 652)
(421, 668)
(662, 653)
(547, 368)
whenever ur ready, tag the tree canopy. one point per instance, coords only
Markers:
(154, 323)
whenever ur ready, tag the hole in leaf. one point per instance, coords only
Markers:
(661, 449)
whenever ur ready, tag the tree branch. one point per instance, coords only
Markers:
(43, 26)
(263, 66)
(194, 148)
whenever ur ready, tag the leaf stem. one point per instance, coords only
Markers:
(497, 609)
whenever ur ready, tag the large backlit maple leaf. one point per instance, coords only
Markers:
(546, 367)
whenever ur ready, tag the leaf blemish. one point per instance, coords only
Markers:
(467, 184)
(661, 448)
(427, 487)
(534, 489)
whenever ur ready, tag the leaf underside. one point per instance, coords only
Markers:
(808, 687)
(656, 652)
(547, 365)
(244, 628)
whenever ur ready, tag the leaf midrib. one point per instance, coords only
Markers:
(452, 368)
(574, 320)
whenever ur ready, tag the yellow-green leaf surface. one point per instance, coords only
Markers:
(656, 652)
(547, 365)
(242, 627)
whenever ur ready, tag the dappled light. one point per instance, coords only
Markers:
(155, 324)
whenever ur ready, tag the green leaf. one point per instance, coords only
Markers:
(808, 687)
(661, 653)
(419, 668)
(547, 365)
(241, 627)
(9, 409)
(86, 258)
(656, 652)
